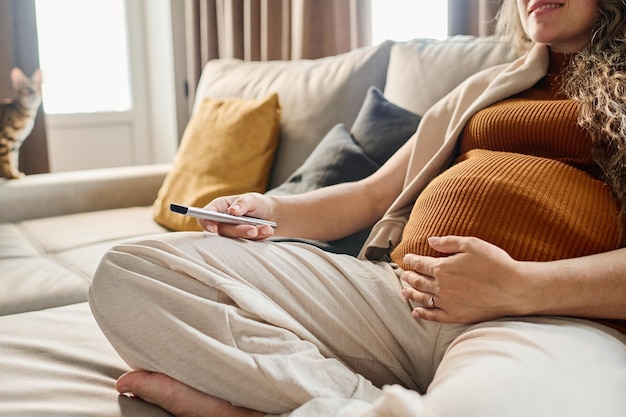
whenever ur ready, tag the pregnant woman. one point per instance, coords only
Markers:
(492, 284)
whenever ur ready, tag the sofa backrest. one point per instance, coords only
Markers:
(315, 95)
(422, 71)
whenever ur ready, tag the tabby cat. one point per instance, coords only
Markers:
(17, 116)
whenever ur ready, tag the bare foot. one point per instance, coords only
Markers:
(176, 397)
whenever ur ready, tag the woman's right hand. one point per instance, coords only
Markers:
(249, 204)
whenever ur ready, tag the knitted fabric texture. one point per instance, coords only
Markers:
(525, 181)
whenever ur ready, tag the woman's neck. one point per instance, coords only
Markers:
(558, 63)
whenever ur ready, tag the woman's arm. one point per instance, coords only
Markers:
(480, 281)
(590, 286)
(327, 213)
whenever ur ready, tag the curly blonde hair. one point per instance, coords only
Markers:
(596, 78)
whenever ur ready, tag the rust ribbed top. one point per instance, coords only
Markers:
(525, 180)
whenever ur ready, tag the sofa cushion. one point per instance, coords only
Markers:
(57, 362)
(337, 158)
(382, 127)
(228, 148)
(50, 262)
(315, 95)
(379, 130)
(422, 71)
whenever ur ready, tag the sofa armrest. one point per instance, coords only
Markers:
(54, 194)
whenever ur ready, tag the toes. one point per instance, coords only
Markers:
(136, 384)
(170, 394)
(125, 383)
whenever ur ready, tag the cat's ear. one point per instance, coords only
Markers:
(37, 77)
(18, 79)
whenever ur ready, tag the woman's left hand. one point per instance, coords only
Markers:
(475, 281)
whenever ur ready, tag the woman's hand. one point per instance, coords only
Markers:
(250, 204)
(476, 281)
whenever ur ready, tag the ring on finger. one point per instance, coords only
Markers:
(431, 300)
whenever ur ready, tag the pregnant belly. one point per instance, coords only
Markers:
(534, 208)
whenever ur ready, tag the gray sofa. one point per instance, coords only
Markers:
(54, 228)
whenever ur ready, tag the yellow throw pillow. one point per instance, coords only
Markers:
(227, 148)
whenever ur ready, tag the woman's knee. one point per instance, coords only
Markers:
(109, 280)
(149, 270)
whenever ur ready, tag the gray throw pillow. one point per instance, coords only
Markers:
(379, 130)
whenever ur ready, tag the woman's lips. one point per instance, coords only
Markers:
(538, 8)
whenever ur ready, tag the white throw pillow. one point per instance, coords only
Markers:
(314, 95)
(422, 71)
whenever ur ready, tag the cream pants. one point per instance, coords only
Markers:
(289, 329)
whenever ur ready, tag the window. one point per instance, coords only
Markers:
(84, 60)
(402, 20)
(94, 92)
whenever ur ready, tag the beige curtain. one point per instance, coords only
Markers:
(19, 48)
(472, 17)
(262, 30)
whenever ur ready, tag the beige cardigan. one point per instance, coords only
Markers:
(437, 136)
